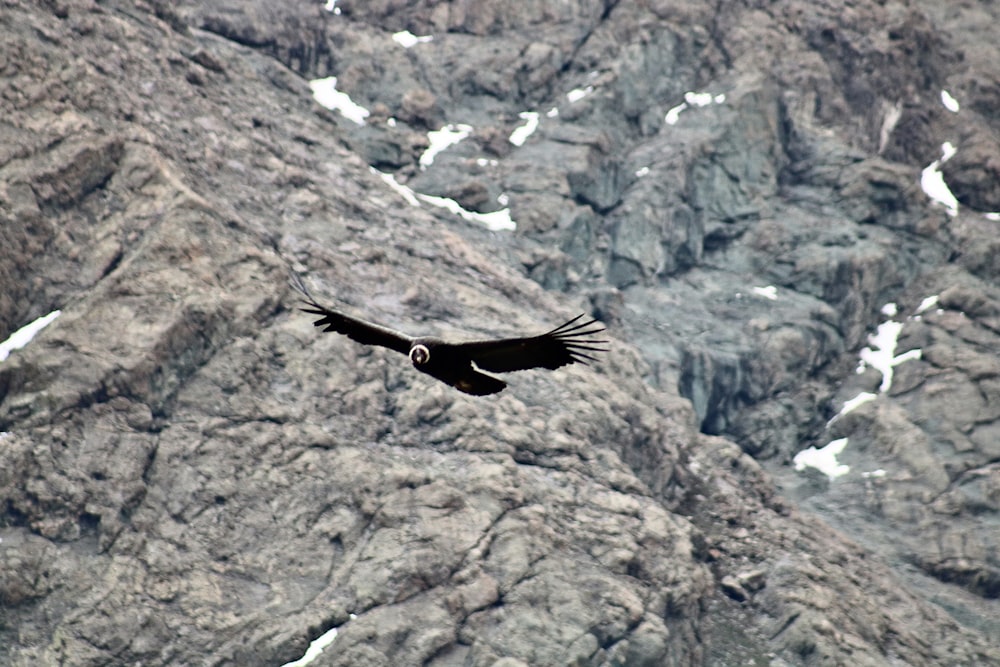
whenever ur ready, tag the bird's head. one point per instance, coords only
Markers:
(419, 354)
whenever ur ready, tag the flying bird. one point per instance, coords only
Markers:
(461, 365)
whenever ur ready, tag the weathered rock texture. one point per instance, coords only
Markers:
(191, 475)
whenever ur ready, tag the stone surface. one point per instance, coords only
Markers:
(192, 475)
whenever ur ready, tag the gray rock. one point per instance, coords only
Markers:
(192, 474)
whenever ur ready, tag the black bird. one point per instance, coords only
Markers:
(461, 364)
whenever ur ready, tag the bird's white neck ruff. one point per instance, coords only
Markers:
(419, 354)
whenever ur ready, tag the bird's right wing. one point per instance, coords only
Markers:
(566, 344)
(366, 333)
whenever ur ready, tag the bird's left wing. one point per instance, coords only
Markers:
(367, 333)
(566, 344)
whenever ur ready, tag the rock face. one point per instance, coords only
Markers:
(192, 475)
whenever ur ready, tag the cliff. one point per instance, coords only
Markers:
(191, 474)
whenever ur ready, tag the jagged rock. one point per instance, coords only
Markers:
(419, 107)
(192, 474)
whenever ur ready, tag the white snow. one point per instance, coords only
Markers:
(496, 221)
(639, 173)
(874, 473)
(552, 113)
(674, 113)
(23, 336)
(824, 460)
(927, 304)
(315, 648)
(948, 151)
(521, 134)
(949, 102)
(859, 400)
(703, 99)
(449, 135)
(390, 180)
(578, 94)
(993, 215)
(325, 92)
(880, 355)
(932, 180)
(768, 292)
(407, 39)
(331, 6)
(692, 99)
(852, 404)
(881, 351)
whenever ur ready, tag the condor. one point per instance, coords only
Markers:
(461, 365)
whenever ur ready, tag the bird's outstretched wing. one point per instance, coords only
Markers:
(566, 344)
(354, 328)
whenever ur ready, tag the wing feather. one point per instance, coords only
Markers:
(362, 331)
(566, 344)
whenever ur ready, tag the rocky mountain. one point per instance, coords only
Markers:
(192, 475)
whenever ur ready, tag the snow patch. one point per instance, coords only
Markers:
(852, 404)
(692, 99)
(932, 181)
(824, 460)
(578, 94)
(405, 191)
(315, 648)
(949, 102)
(325, 92)
(881, 351)
(449, 135)
(768, 292)
(496, 221)
(927, 304)
(521, 134)
(23, 336)
(407, 39)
